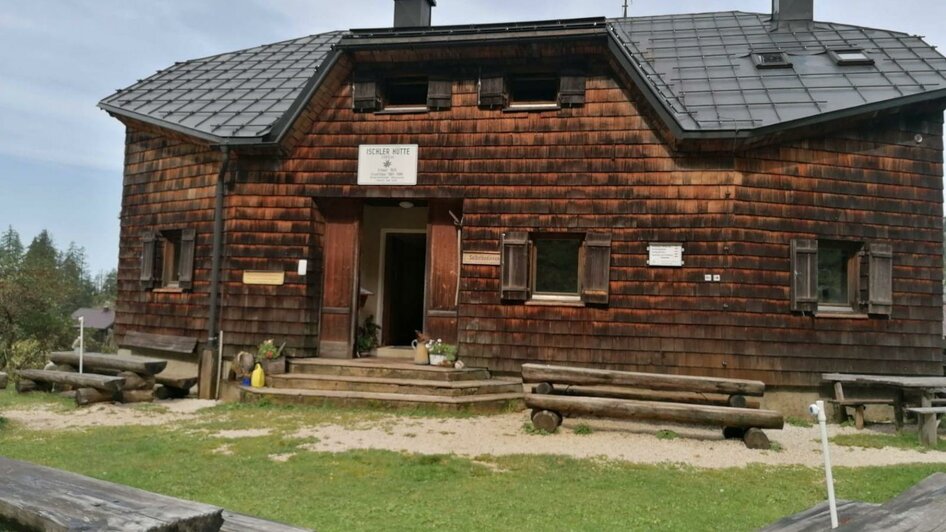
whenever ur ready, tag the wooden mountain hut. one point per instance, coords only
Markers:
(748, 195)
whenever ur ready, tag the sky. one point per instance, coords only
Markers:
(61, 157)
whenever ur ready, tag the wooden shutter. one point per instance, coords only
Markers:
(571, 91)
(596, 268)
(804, 275)
(880, 282)
(439, 93)
(515, 266)
(186, 274)
(492, 90)
(366, 96)
(146, 275)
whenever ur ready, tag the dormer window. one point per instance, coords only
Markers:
(850, 56)
(405, 94)
(401, 94)
(533, 90)
(774, 59)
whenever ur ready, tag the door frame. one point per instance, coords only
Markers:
(383, 273)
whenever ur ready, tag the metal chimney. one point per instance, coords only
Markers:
(792, 11)
(412, 13)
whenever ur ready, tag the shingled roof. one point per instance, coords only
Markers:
(701, 71)
(697, 70)
(238, 95)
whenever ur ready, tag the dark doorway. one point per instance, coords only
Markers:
(405, 259)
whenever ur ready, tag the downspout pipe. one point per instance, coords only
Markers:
(219, 196)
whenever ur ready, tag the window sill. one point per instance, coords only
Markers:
(840, 314)
(168, 290)
(403, 110)
(555, 302)
(529, 107)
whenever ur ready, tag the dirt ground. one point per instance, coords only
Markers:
(504, 435)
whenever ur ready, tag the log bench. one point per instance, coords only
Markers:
(100, 361)
(104, 383)
(174, 384)
(927, 424)
(672, 398)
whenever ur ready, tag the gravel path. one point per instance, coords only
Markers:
(504, 435)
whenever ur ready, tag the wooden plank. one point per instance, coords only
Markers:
(207, 376)
(886, 380)
(159, 342)
(818, 518)
(81, 380)
(649, 410)
(234, 522)
(95, 361)
(650, 381)
(921, 507)
(43, 498)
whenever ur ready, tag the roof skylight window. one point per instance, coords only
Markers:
(852, 56)
(771, 60)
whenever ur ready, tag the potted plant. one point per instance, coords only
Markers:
(366, 341)
(441, 354)
(271, 358)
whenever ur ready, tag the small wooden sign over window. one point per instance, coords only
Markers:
(387, 164)
(481, 258)
(264, 278)
(665, 254)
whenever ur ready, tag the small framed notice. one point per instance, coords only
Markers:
(387, 164)
(665, 254)
(481, 258)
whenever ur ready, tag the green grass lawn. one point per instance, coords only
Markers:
(379, 490)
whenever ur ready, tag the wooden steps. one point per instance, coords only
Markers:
(388, 382)
(481, 403)
(391, 385)
(383, 368)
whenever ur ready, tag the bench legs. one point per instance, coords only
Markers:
(927, 425)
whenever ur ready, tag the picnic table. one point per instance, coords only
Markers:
(926, 388)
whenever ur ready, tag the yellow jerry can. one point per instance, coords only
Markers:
(258, 379)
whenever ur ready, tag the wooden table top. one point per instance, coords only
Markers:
(898, 381)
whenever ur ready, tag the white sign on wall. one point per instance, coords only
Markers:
(387, 164)
(665, 254)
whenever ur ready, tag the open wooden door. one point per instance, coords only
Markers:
(444, 260)
(341, 243)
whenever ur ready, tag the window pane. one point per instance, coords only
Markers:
(832, 274)
(406, 92)
(534, 89)
(556, 265)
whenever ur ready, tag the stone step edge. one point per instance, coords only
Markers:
(399, 382)
(359, 363)
(381, 396)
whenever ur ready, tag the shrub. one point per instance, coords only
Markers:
(25, 354)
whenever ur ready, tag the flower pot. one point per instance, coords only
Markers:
(274, 366)
(437, 360)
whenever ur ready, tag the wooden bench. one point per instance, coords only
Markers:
(99, 361)
(553, 397)
(160, 342)
(927, 424)
(42, 498)
(104, 383)
(860, 404)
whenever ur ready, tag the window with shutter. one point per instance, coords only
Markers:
(596, 268)
(366, 96)
(804, 290)
(572, 89)
(880, 279)
(515, 266)
(186, 264)
(146, 276)
(492, 90)
(440, 94)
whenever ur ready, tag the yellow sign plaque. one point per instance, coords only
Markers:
(264, 278)
(481, 258)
